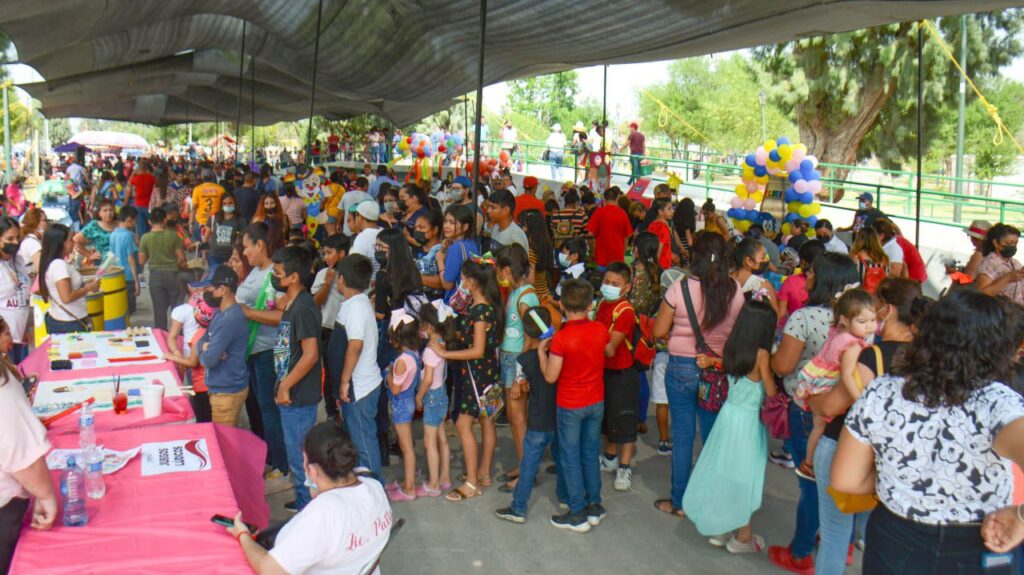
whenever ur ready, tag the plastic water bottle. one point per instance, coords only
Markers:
(72, 486)
(94, 482)
(86, 429)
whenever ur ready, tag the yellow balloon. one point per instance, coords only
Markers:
(769, 145)
(811, 234)
(800, 147)
(805, 211)
(743, 225)
(785, 228)
(736, 223)
(762, 180)
(748, 172)
(815, 208)
(786, 151)
(741, 191)
(793, 207)
(757, 196)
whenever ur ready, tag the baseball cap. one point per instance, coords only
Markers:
(368, 209)
(224, 276)
(866, 196)
(201, 284)
(978, 229)
(530, 182)
(634, 125)
(463, 181)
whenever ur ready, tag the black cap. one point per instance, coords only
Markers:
(225, 276)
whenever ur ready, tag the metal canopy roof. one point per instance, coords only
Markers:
(173, 61)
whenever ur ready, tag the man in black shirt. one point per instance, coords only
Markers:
(865, 216)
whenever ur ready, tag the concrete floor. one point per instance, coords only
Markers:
(454, 538)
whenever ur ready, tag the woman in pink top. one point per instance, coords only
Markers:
(793, 294)
(294, 207)
(717, 299)
(15, 197)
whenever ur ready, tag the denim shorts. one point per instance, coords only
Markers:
(508, 366)
(435, 406)
(402, 408)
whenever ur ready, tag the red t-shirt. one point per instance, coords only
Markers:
(912, 259)
(143, 188)
(625, 323)
(580, 343)
(659, 229)
(528, 202)
(610, 227)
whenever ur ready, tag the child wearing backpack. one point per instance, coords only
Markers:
(728, 480)
(621, 380)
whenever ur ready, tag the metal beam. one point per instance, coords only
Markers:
(312, 90)
(920, 126)
(479, 103)
(238, 107)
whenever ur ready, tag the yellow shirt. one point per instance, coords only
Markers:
(206, 201)
(332, 202)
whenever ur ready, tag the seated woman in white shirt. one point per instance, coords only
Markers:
(342, 531)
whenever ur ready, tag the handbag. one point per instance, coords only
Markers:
(712, 387)
(775, 415)
(86, 325)
(545, 156)
(460, 300)
(850, 502)
(492, 401)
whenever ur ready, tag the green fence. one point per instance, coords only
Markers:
(894, 191)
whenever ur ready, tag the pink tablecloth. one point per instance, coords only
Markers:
(175, 410)
(158, 524)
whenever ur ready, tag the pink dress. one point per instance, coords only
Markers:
(821, 374)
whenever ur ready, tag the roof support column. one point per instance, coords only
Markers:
(252, 111)
(920, 126)
(312, 90)
(238, 109)
(479, 101)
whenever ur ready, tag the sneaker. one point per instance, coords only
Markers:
(508, 515)
(805, 471)
(664, 448)
(623, 479)
(609, 465)
(424, 490)
(275, 481)
(720, 540)
(579, 524)
(755, 545)
(595, 513)
(563, 506)
(781, 457)
(291, 507)
(859, 544)
(783, 558)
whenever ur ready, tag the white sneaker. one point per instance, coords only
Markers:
(720, 540)
(755, 545)
(609, 465)
(623, 479)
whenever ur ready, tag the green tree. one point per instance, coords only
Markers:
(60, 131)
(547, 99)
(854, 94)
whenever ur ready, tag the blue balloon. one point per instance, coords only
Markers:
(806, 166)
(781, 141)
(806, 198)
(751, 160)
(760, 171)
(795, 176)
(813, 175)
(774, 155)
(791, 217)
(811, 221)
(733, 213)
(789, 195)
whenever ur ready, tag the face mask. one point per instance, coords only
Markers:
(610, 292)
(420, 237)
(11, 248)
(563, 260)
(210, 300)
(456, 195)
(824, 239)
(464, 292)
(275, 282)
(381, 256)
(401, 205)
(309, 483)
(504, 283)
(269, 211)
(762, 268)
(1008, 251)
(229, 209)
(391, 207)
(862, 205)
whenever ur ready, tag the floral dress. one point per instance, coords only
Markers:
(484, 370)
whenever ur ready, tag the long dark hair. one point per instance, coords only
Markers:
(515, 258)
(710, 264)
(463, 215)
(997, 232)
(962, 345)
(747, 248)
(832, 273)
(645, 253)
(220, 213)
(536, 228)
(329, 446)
(755, 330)
(685, 217)
(53, 249)
(401, 268)
(485, 275)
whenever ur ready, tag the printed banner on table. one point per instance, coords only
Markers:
(175, 457)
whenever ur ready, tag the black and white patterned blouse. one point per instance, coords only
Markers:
(937, 466)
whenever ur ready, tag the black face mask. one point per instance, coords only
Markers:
(275, 282)
(1006, 251)
(420, 237)
(762, 268)
(11, 248)
(211, 301)
(402, 206)
(381, 256)
(824, 239)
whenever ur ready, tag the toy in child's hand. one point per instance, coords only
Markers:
(546, 330)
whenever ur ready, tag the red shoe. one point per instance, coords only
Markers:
(849, 555)
(783, 558)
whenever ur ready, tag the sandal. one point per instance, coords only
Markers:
(424, 490)
(666, 506)
(484, 480)
(805, 471)
(458, 494)
(508, 476)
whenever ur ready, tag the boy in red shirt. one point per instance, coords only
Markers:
(575, 362)
(621, 380)
(611, 228)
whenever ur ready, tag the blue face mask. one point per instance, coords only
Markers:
(610, 292)
(563, 260)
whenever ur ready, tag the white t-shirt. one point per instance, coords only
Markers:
(14, 291)
(22, 438)
(347, 201)
(356, 314)
(329, 311)
(59, 270)
(365, 244)
(185, 314)
(341, 532)
(893, 251)
(30, 246)
(836, 246)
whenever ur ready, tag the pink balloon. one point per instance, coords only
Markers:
(792, 165)
(798, 156)
(814, 160)
(774, 171)
(749, 204)
(736, 202)
(761, 156)
(751, 186)
(814, 186)
(801, 186)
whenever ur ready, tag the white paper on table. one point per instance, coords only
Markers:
(54, 396)
(175, 457)
(112, 460)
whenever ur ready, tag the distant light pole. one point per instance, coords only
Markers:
(763, 98)
(959, 183)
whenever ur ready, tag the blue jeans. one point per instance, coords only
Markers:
(634, 167)
(681, 379)
(142, 222)
(800, 424)
(836, 527)
(360, 420)
(579, 444)
(534, 444)
(644, 398)
(556, 166)
(296, 421)
(265, 378)
(56, 326)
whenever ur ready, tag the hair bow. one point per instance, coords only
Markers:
(847, 288)
(400, 317)
(487, 259)
(760, 294)
(444, 311)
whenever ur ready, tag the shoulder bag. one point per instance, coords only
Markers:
(712, 387)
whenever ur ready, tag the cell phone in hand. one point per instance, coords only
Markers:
(228, 522)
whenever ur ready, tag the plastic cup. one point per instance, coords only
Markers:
(120, 403)
(152, 400)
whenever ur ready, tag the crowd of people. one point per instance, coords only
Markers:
(567, 314)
